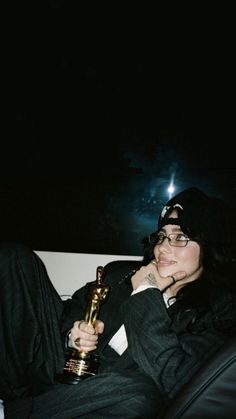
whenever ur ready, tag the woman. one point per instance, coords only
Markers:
(162, 319)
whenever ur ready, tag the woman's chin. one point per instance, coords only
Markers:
(164, 272)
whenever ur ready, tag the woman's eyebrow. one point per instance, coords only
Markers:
(177, 228)
(174, 229)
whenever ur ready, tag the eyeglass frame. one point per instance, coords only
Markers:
(164, 236)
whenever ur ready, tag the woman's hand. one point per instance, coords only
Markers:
(84, 337)
(148, 275)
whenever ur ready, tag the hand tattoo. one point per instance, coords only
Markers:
(150, 278)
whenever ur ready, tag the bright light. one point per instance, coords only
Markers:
(171, 188)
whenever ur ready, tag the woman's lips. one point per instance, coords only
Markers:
(164, 262)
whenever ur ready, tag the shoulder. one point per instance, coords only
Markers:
(224, 307)
(223, 297)
(15, 249)
(119, 270)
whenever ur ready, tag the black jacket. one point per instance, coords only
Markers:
(169, 345)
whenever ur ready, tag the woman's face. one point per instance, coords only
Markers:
(172, 259)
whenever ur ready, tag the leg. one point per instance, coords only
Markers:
(130, 395)
(30, 313)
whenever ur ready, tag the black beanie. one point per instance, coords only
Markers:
(204, 217)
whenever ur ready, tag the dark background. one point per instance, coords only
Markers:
(100, 122)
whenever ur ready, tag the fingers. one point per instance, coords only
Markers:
(177, 277)
(172, 280)
(84, 337)
(149, 275)
(99, 327)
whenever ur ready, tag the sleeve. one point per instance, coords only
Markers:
(141, 288)
(74, 309)
(169, 357)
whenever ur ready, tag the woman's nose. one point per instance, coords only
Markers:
(165, 244)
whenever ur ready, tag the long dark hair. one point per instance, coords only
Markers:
(218, 261)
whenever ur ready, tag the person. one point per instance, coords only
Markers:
(163, 318)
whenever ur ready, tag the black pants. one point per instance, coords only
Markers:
(32, 353)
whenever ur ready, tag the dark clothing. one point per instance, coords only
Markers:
(31, 311)
(104, 396)
(165, 347)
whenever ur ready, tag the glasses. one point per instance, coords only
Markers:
(174, 239)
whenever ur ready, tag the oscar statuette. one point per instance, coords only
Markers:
(82, 364)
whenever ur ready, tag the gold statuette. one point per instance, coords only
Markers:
(82, 364)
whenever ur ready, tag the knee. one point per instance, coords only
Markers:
(14, 258)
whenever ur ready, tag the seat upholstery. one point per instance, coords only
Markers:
(211, 393)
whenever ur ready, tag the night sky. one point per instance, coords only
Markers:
(98, 127)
